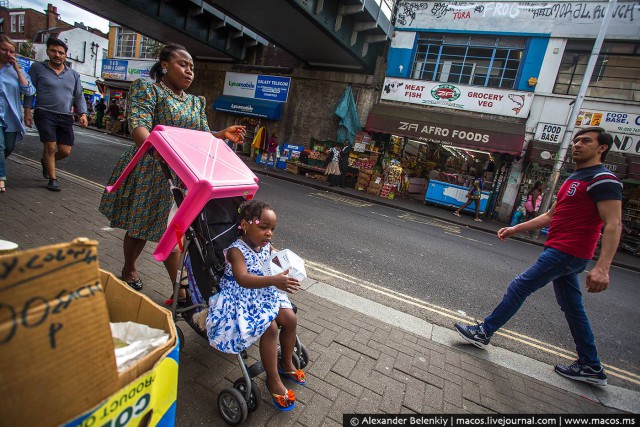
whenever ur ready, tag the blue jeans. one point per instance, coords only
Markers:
(7, 144)
(562, 269)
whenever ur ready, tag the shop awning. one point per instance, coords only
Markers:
(448, 128)
(248, 107)
(89, 83)
(114, 84)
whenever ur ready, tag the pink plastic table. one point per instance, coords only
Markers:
(208, 168)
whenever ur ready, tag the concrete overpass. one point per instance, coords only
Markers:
(346, 35)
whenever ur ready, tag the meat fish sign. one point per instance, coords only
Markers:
(458, 97)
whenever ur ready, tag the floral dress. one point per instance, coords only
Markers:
(239, 316)
(141, 205)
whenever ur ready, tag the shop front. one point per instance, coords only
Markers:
(440, 153)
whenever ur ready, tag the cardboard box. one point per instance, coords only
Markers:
(57, 359)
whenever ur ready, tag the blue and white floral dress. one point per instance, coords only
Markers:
(239, 316)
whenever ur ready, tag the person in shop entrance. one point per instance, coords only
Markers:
(533, 201)
(14, 82)
(272, 151)
(59, 89)
(141, 205)
(588, 202)
(332, 165)
(344, 163)
(101, 107)
(473, 196)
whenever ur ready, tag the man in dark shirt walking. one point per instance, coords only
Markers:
(588, 200)
(58, 89)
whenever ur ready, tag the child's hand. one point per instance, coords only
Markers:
(286, 283)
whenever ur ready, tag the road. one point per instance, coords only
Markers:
(429, 268)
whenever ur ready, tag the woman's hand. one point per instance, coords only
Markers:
(286, 283)
(233, 133)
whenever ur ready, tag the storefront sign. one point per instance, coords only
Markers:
(610, 121)
(445, 132)
(257, 86)
(129, 70)
(459, 97)
(114, 69)
(549, 132)
(546, 153)
(624, 143)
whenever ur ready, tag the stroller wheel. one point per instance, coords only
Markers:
(255, 369)
(180, 338)
(303, 356)
(254, 399)
(232, 406)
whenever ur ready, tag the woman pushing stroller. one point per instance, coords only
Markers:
(251, 306)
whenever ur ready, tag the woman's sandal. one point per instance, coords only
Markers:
(285, 402)
(297, 377)
(135, 284)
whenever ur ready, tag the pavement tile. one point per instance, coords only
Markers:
(363, 349)
(344, 384)
(315, 411)
(343, 404)
(368, 402)
(317, 385)
(433, 397)
(343, 366)
(453, 394)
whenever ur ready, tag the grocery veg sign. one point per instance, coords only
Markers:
(257, 86)
(459, 97)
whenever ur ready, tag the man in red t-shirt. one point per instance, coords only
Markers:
(589, 204)
(272, 150)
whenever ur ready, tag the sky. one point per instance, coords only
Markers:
(68, 12)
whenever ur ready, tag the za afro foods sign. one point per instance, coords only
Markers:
(458, 97)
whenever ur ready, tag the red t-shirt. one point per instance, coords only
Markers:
(273, 145)
(576, 224)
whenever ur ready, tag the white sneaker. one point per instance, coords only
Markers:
(477, 219)
(456, 213)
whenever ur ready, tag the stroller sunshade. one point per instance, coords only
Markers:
(208, 168)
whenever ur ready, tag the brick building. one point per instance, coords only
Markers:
(22, 24)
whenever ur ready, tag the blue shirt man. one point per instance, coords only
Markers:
(58, 88)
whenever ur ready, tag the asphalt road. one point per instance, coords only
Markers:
(429, 268)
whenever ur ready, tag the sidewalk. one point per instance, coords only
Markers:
(364, 357)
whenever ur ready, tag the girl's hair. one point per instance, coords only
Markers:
(166, 53)
(6, 39)
(250, 210)
(536, 185)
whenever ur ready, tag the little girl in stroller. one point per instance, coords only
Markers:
(249, 307)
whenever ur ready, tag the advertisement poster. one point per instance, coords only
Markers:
(501, 102)
(257, 86)
(610, 121)
(115, 69)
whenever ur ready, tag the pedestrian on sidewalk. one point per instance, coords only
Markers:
(344, 163)
(533, 201)
(272, 150)
(13, 83)
(113, 112)
(332, 165)
(473, 196)
(101, 107)
(59, 89)
(141, 205)
(588, 200)
(251, 306)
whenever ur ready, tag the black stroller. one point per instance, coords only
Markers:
(202, 265)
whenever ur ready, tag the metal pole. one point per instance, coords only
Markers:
(571, 122)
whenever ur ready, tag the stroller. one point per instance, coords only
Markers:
(227, 183)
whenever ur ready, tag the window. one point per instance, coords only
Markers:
(14, 23)
(148, 48)
(472, 60)
(21, 23)
(125, 43)
(614, 76)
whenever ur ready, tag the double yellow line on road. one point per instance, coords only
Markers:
(454, 315)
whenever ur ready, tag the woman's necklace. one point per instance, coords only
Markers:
(180, 97)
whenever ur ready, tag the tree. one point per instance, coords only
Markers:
(26, 49)
(153, 48)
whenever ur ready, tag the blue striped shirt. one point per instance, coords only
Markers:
(10, 105)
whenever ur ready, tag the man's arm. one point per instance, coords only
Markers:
(81, 103)
(610, 212)
(28, 100)
(536, 223)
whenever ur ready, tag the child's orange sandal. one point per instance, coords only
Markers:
(297, 377)
(284, 402)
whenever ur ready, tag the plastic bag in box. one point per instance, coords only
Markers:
(285, 260)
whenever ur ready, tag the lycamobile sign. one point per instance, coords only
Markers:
(257, 86)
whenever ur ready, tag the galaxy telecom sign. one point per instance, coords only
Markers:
(458, 97)
(257, 86)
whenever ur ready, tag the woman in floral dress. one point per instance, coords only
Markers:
(141, 205)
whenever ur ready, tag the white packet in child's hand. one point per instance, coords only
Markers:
(285, 260)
